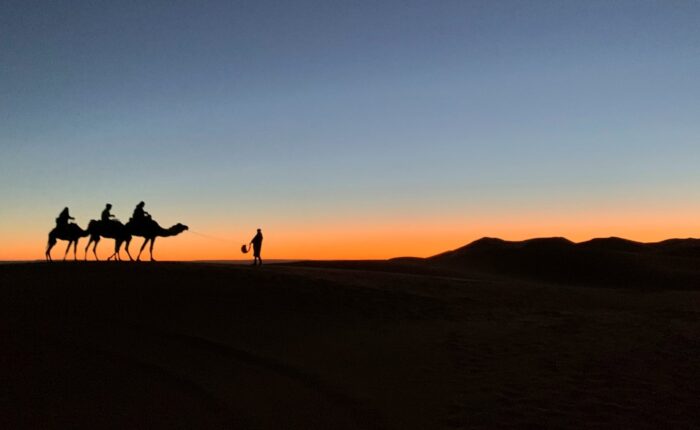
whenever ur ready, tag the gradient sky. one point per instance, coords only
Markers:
(350, 129)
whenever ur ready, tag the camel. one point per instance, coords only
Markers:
(150, 230)
(112, 229)
(121, 233)
(70, 232)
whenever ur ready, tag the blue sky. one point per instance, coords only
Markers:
(252, 112)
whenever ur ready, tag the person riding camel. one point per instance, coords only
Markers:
(106, 215)
(140, 216)
(63, 217)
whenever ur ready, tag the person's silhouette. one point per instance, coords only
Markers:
(63, 217)
(257, 247)
(106, 215)
(140, 216)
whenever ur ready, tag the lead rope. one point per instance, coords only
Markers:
(206, 236)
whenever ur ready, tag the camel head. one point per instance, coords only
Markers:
(177, 229)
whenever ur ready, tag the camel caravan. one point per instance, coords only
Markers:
(141, 224)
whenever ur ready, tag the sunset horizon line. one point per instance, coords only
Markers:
(282, 259)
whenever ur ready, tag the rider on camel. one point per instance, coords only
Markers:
(63, 217)
(140, 216)
(106, 215)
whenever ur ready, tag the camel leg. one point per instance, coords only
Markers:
(153, 241)
(87, 246)
(70, 242)
(75, 250)
(93, 240)
(117, 245)
(145, 241)
(49, 246)
(126, 246)
(119, 249)
(114, 254)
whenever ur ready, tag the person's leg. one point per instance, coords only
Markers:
(256, 255)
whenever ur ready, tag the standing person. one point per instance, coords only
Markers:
(257, 246)
(106, 215)
(64, 216)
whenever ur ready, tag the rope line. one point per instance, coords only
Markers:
(207, 236)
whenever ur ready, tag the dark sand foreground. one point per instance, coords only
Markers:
(339, 346)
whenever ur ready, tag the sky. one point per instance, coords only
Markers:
(350, 129)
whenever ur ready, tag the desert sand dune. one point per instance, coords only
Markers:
(600, 262)
(387, 345)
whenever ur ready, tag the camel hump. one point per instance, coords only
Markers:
(113, 223)
(140, 226)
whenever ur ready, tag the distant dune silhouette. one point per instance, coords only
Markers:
(688, 247)
(603, 262)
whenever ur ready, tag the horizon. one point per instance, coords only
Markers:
(246, 261)
(349, 131)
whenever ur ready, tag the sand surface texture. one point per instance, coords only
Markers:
(354, 345)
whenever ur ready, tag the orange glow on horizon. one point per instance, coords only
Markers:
(364, 240)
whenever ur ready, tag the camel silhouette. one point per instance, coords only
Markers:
(70, 232)
(122, 234)
(150, 230)
(111, 229)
